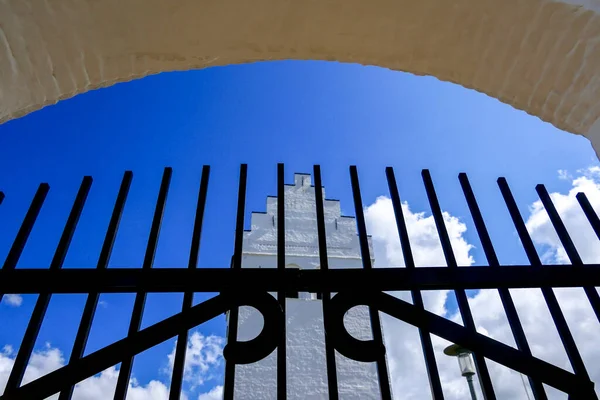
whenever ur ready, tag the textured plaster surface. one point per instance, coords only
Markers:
(305, 340)
(540, 56)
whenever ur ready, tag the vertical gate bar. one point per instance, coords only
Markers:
(332, 383)
(507, 302)
(232, 326)
(555, 311)
(461, 296)
(559, 226)
(1, 196)
(589, 212)
(384, 380)
(568, 244)
(188, 297)
(281, 348)
(140, 297)
(41, 305)
(426, 344)
(92, 299)
(26, 226)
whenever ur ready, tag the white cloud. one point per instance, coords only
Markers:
(41, 363)
(203, 353)
(424, 239)
(102, 386)
(543, 233)
(564, 175)
(405, 358)
(13, 300)
(98, 387)
(215, 394)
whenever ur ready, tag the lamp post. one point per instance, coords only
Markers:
(465, 363)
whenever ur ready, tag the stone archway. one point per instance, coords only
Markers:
(536, 55)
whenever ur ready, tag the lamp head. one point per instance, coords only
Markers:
(465, 360)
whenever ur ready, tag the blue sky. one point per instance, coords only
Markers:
(300, 113)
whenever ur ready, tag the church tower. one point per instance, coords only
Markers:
(305, 340)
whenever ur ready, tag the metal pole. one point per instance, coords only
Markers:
(471, 387)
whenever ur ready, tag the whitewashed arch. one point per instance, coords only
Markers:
(536, 55)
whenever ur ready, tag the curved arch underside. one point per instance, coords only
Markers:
(539, 56)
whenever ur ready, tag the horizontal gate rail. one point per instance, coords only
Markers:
(131, 280)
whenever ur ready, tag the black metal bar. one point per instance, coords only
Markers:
(162, 280)
(332, 382)
(382, 372)
(589, 212)
(461, 297)
(41, 305)
(112, 354)
(140, 297)
(232, 328)
(520, 226)
(568, 244)
(505, 297)
(556, 313)
(426, 344)
(26, 226)
(559, 226)
(2, 196)
(188, 297)
(91, 303)
(25, 230)
(281, 348)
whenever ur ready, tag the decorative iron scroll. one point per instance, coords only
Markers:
(239, 286)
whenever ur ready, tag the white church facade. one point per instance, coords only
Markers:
(305, 337)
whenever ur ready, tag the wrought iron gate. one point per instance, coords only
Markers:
(237, 287)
